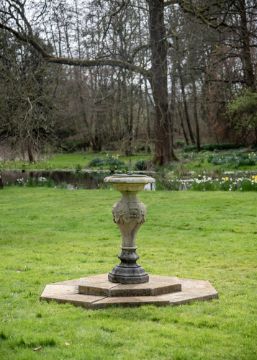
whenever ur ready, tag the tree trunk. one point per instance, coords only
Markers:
(97, 135)
(148, 117)
(197, 127)
(30, 153)
(172, 104)
(128, 115)
(1, 182)
(246, 50)
(182, 125)
(163, 146)
(182, 85)
(96, 143)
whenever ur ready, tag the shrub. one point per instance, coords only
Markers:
(234, 160)
(78, 168)
(97, 162)
(244, 107)
(141, 165)
(112, 162)
(243, 112)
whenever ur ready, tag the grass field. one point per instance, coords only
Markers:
(192, 161)
(49, 235)
(70, 161)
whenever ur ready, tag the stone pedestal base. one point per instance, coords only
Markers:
(128, 271)
(98, 292)
(125, 274)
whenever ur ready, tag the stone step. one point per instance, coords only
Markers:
(99, 285)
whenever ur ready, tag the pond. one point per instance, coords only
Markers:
(61, 178)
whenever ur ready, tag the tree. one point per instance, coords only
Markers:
(14, 12)
(26, 102)
(225, 61)
(235, 20)
(207, 50)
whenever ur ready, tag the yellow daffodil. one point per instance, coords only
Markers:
(254, 178)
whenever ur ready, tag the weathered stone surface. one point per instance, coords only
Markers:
(131, 301)
(125, 182)
(192, 290)
(157, 285)
(67, 292)
(129, 214)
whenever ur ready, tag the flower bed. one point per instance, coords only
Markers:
(207, 183)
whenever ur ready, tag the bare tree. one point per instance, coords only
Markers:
(15, 21)
(26, 88)
(138, 46)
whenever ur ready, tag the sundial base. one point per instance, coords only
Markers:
(96, 292)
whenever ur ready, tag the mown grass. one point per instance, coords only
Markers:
(191, 161)
(71, 161)
(49, 235)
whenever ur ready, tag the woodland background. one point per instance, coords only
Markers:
(126, 75)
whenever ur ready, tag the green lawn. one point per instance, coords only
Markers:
(70, 161)
(192, 161)
(49, 235)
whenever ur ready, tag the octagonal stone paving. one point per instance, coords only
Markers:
(68, 292)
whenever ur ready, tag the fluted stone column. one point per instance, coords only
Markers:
(129, 214)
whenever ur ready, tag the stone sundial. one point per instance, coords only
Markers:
(128, 284)
(129, 214)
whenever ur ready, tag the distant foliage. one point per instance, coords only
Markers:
(71, 146)
(141, 165)
(97, 162)
(243, 112)
(110, 161)
(234, 160)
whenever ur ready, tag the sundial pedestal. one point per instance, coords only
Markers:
(128, 284)
(129, 214)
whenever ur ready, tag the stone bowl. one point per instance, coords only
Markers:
(125, 182)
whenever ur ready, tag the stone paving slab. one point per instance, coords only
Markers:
(192, 290)
(130, 301)
(68, 292)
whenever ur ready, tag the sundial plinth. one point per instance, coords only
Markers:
(127, 284)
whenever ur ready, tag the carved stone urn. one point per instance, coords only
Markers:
(129, 214)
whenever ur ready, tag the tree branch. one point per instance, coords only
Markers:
(99, 62)
(74, 61)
